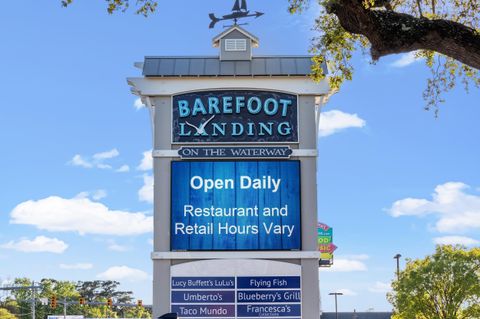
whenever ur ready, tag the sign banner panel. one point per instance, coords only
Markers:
(268, 311)
(199, 283)
(252, 205)
(268, 282)
(204, 311)
(234, 116)
(250, 297)
(203, 296)
(244, 152)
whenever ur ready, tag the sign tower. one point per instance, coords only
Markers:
(235, 209)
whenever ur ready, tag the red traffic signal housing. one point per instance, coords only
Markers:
(53, 302)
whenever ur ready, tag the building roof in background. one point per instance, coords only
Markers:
(195, 66)
(357, 315)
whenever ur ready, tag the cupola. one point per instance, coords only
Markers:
(235, 44)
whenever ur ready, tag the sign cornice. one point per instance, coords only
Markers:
(167, 86)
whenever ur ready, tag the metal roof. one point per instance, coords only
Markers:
(357, 315)
(157, 66)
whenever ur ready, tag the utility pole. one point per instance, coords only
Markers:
(33, 300)
(397, 257)
(32, 287)
(65, 308)
(336, 294)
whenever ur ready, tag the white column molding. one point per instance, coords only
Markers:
(236, 255)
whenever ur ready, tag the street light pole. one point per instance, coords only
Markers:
(33, 300)
(336, 308)
(397, 257)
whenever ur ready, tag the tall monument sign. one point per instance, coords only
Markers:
(235, 149)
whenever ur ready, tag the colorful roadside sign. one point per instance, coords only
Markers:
(325, 244)
(327, 248)
(326, 256)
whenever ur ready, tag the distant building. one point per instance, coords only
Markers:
(357, 315)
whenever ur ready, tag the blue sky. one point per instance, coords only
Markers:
(392, 178)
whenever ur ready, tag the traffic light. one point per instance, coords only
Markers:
(53, 302)
(109, 302)
(139, 303)
(81, 301)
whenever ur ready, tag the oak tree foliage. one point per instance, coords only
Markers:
(5, 314)
(143, 7)
(444, 33)
(445, 285)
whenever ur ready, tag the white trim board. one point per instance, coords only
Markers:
(235, 255)
(166, 86)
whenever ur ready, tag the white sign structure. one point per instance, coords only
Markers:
(217, 124)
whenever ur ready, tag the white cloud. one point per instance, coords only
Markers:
(78, 266)
(112, 245)
(147, 161)
(78, 160)
(455, 240)
(37, 245)
(123, 169)
(380, 287)
(99, 194)
(103, 166)
(456, 210)
(123, 273)
(79, 215)
(347, 292)
(138, 104)
(82, 195)
(106, 155)
(409, 206)
(405, 60)
(145, 194)
(346, 265)
(97, 160)
(334, 121)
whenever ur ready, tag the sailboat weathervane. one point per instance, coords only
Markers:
(239, 11)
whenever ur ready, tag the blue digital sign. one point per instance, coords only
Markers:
(245, 205)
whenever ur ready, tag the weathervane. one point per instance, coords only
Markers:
(238, 12)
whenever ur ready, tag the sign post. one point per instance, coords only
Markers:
(235, 209)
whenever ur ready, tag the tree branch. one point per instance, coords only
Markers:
(392, 32)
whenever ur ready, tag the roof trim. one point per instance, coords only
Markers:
(231, 29)
(216, 56)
